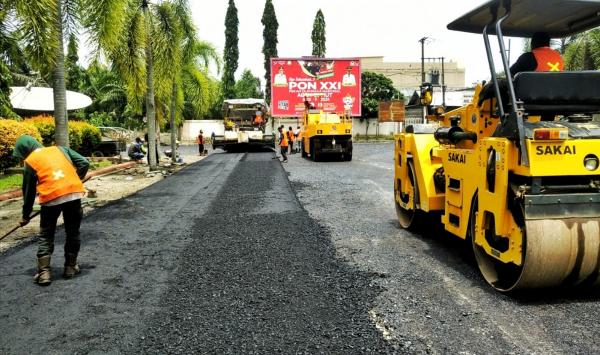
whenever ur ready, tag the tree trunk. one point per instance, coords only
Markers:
(150, 111)
(173, 127)
(61, 133)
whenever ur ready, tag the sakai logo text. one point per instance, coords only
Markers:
(555, 150)
(457, 158)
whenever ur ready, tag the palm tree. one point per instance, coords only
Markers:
(43, 25)
(583, 51)
(180, 55)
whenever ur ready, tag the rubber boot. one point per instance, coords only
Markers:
(71, 267)
(43, 277)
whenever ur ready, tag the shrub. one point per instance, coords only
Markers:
(83, 137)
(45, 125)
(9, 132)
(90, 136)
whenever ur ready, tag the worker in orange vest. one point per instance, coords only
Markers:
(55, 173)
(290, 137)
(542, 58)
(283, 143)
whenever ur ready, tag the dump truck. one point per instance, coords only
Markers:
(515, 172)
(326, 134)
(244, 123)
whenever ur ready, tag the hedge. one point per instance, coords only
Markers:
(83, 137)
(10, 130)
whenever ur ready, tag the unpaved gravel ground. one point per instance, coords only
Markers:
(434, 299)
(107, 188)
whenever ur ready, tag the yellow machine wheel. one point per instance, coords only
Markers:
(409, 218)
(555, 252)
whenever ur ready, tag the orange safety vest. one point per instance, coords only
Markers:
(284, 141)
(200, 139)
(548, 59)
(55, 173)
(290, 135)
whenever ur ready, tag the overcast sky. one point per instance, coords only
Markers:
(389, 28)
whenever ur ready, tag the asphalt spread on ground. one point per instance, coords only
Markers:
(219, 258)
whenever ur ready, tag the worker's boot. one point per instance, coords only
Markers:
(43, 277)
(71, 267)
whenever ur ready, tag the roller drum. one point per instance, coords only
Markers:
(556, 252)
(561, 252)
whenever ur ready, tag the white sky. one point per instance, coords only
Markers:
(354, 28)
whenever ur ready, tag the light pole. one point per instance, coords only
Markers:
(422, 40)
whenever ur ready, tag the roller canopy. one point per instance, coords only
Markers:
(559, 18)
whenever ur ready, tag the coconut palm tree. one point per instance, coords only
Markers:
(180, 56)
(43, 24)
(583, 51)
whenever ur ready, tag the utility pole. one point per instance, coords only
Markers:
(422, 40)
(443, 84)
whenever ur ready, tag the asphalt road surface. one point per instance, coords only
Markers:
(241, 254)
(434, 300)
(219, 258)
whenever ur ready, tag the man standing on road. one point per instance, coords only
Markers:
(290, 137)
(283, 143)
(200, 141)
(297, 138)
(56, 174)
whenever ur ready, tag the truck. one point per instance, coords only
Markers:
(244, 122)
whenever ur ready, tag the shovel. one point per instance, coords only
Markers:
(19, 225)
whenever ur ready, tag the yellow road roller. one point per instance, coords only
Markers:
(515, 172)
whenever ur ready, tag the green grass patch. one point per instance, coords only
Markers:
(10, 182)
(94, 165)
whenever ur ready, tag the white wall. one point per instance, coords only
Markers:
(358, 127)
(190, 128)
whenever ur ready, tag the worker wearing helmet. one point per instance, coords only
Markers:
(55, 173)
(542, 58)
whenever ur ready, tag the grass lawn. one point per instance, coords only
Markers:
(10, 182)
(14, 181)
(100, 164)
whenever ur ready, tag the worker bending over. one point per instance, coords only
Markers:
(56, 174)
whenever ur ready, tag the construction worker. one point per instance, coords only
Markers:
(290, 137)
(283, 143)
(136, 150)
(56, 174)
(258, 119)
(297, 138)
(542, 58)
(200, 141)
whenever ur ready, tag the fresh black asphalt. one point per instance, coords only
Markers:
(219, 258)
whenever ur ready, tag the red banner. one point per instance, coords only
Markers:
(328, 84)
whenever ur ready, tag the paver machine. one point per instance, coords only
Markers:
(244, 123)
(516, 171)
